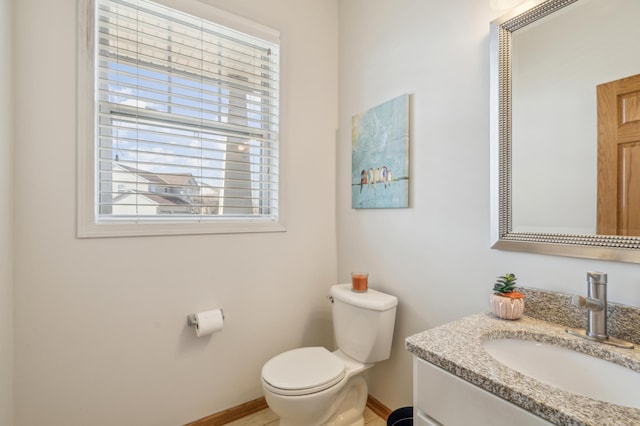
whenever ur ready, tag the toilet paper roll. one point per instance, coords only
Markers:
(209, 322)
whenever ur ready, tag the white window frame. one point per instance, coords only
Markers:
(87, 224)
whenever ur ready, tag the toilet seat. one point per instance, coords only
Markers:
(303, 371)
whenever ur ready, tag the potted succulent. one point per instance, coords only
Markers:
(506, 302)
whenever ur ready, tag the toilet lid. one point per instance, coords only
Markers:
(303, 371)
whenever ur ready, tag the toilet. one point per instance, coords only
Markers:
(312, 386)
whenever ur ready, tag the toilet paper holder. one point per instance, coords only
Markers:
(192, 320)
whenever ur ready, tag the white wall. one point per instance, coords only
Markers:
(6, 287)
(435, 256)
(100, 328)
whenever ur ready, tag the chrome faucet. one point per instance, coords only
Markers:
(596, 304)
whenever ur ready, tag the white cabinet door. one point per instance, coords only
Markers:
(423, 420)
(451, 401)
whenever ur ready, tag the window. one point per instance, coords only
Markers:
(183, 131)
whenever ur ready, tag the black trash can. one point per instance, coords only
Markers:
(401, 417)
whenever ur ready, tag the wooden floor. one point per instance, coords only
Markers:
(267, 417)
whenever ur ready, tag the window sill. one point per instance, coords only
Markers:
(159, 228)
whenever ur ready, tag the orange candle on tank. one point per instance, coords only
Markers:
(359, 281)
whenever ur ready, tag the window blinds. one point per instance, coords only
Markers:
(186, 117)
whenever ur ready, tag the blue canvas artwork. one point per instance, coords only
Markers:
(380, 156)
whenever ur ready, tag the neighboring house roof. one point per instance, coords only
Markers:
(173, 179)
(166, 199)
(128, 169)
(161, 199)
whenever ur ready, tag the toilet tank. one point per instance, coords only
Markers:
(363, 322)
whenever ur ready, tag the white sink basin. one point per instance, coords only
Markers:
(569, 370)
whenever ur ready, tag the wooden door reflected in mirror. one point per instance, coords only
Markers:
(618, 210)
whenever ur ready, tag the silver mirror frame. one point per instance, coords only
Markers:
(605, 247)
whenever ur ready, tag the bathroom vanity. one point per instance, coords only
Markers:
(441, 395)
(456, 381)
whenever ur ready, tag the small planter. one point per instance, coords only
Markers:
(506, 307)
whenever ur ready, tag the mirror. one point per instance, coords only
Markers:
(546, 62)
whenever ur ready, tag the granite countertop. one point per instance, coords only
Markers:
(457, 348)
